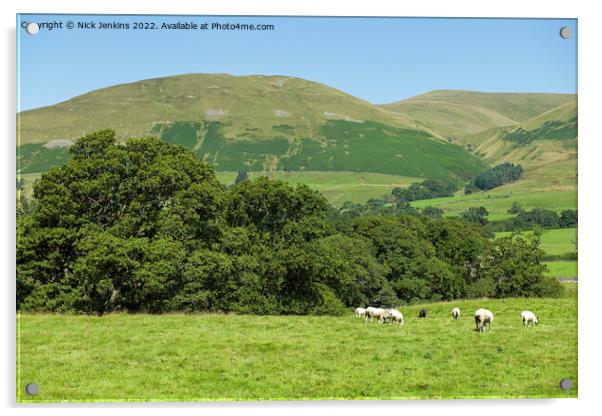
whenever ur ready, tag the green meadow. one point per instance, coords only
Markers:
(337, 187)
(555, 242)
(562, 269)
(498, 202)
(122, 357)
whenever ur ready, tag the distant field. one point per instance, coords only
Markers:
(562, 269)
(554, 242)
(215, 357)
(338, 187)
(498, 202)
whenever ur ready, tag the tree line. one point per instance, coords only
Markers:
(494, 177)
(145, 226)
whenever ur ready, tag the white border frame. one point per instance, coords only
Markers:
(589, 171)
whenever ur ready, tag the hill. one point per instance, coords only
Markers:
(544, 144)
(258, 123)
(454, 114)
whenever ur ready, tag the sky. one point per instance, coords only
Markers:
(380, 60)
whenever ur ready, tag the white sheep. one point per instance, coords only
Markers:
(529, 318)
(456, 314)
(360, 312)
(372, 312)
(394, 316)
(482, 317)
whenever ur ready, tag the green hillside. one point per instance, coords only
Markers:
(248, 107)
(544, 143)
(258, 123)
(454, 114)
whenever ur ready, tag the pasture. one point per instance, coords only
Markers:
(499, 200)
(209, 357)
(554, 242)
(337, 187)
(562, 269)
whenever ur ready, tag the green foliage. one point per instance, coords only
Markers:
(432, 212)
(537, 217)
(568, 219)
(497, 176)
(550, 130)
(145, 226)
(34, 157)
(516, 268)
(476, 214)
(431, 188)
(515, 208)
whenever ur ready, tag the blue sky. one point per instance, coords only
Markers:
(377, 59)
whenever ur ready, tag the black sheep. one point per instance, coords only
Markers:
(422, 313)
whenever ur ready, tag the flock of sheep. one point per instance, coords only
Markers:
(482, 317)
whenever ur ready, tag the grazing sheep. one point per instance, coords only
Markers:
(482, 317)
(529, 318)
(374, 313)
(360, 312)
(456, 314)
(394, 316)
(422, 313)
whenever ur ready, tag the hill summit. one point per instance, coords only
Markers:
(256, 123)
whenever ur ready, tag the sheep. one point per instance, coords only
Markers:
(529, 318)
(360, 312)
(374, 313)
(422, 313)
(456, 314)
(482, 317)
(394, 316)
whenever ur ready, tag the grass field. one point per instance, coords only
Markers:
(226, 357)
(554, 242)
(337, 187)
(562, 269)
(497, 203)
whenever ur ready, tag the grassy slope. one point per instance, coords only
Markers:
(250, 105)
(215, 357)
(458, 113)
(545, 140)
(259, 123)
(548, 157)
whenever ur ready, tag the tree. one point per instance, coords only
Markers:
(497, 176)
(476, 214)
(144, 226)
(268, 204)
(99, 219)
(568, 219)
(516, 268)
(432, 212)
(471, 188)
(526, 220)
(515, 208)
